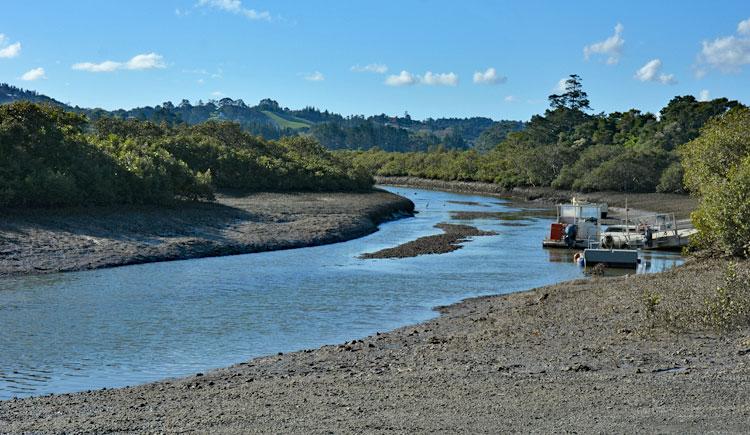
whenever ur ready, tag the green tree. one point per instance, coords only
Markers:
(717, 170)
(574, 97)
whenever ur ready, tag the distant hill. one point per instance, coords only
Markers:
(9, 94)
(271, 121)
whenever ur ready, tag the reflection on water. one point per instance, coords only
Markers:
(134, 324)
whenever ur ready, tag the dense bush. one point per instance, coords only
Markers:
(567, 148)
(717, 170)
(46, 160)
(671, 179)
(628, 171)
(49, 157)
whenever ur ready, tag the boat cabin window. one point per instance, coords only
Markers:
(570, 213)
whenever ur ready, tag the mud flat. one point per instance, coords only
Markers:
(451, 239)
(45, 241)
(583, 356)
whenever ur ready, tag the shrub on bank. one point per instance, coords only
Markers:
(720, 300)
(717, 170)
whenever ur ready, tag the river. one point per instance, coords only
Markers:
(129, 325)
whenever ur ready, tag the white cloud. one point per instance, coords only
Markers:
(34, 74)
(377, 68)
(404, 78)
(610, 47)
(217, 94)
(651, 72)
(561, 85)
(236, 7)
(489, 77)
(440, 79)
(11, 50)
(667, 79)
(317, 76)
(726, 54)
(510, 98)
(138, 62)
(743, 28)
(106, 66)
(145, 61)
(704, 95)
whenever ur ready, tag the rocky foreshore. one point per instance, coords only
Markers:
(61, 240)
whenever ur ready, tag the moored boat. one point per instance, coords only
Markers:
(578, 225)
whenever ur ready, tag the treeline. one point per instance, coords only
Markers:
(270, 120)
(51, 157)
(568, 148)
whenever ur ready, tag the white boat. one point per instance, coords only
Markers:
(651, 232)
(578, 225)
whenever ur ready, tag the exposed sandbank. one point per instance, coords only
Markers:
(45, 241)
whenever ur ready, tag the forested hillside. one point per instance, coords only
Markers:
(9, 94)
(272, 121)
(568, 148)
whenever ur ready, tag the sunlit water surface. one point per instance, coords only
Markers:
(129, 325)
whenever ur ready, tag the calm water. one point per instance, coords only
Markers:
(134, 324)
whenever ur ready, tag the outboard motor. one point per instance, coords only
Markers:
(571, 231)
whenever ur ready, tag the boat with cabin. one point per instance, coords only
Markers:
(578, 225)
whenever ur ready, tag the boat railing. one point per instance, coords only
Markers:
(660, 222)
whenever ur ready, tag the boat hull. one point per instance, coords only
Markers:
(620, 258)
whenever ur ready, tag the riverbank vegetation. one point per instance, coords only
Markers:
(51, 157)
(717, 170)
(568, 148)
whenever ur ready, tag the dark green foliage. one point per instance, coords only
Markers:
(717, 170)
(239, 160)
(671, 179)
(573, 98)
(682, 119)
(567, 148)
(496, 134)
(628, 171)
(572, 176)
(48, 159)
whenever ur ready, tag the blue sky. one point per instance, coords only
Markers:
(357, 57)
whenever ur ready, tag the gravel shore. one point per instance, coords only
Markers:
(61, 240)
(575, 357)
